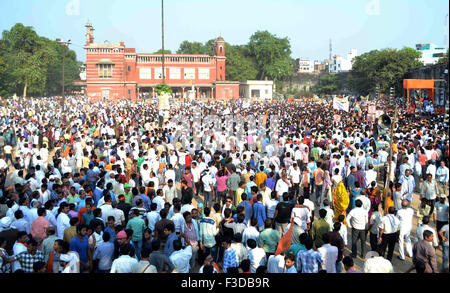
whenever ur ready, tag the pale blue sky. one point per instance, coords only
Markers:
(309, 24)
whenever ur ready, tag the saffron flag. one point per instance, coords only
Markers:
(358, 108)
(285, 241)
(341, 104)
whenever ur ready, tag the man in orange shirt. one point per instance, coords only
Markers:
(260, 176)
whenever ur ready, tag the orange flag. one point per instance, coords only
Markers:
(285, 241)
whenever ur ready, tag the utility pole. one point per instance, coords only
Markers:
(162, 25)
(394, 120)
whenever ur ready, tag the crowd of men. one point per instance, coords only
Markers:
(277, 187)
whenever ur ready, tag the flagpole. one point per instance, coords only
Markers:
(386, 184)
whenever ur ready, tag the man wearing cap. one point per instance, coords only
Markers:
(128, 194)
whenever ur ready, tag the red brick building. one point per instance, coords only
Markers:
(116, 72)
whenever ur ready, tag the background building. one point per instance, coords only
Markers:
(256, 89)
(430, 53)
(304, 65)
(116, 72)
(340, 64)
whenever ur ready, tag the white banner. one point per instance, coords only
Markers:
(341, 104)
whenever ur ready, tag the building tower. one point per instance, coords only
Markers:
(219, 52)
(89, 33)
(330, 60)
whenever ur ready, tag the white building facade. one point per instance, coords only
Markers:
(305, 65)
(340, 64)
(262, 89)
(431, 53)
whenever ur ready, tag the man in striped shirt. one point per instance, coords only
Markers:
(230, 259)
(309, 261)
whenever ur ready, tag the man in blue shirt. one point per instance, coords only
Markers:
(80, 244)
(169, 230)
(270, 181)
(145, 198)
(103, 254)
(259, 212)
(98, 192)
(247, 207)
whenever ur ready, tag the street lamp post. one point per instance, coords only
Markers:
(162, 37)
(64, 45)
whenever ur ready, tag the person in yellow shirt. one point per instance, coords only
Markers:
(260, 176)
(239, 192)
(85, 160)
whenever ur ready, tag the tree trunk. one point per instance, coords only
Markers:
(25, 90)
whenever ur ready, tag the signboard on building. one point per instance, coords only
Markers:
(189, 73)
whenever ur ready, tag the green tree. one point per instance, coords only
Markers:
(387, 68)
(165, 51)
(30, 64)
(240, 65)
(162, 87)
(328, 84)
(272, 55)
(72, 69)
(187, 47)
(28, 56)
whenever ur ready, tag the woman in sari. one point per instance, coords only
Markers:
(340, 201)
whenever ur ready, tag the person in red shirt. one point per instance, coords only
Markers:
(188, 161)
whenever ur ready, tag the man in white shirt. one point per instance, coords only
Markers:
(256, 255)
(424, 226)
(389, 227)
(371, 176)
(251, 232)
(282, 185)
(169, 191)
(329, 254)
(170, 174)
(159, 200)
(125, 263)
(358, 221)
(302, 216)
(118, 214)
(271, 205)
(294, 175)
(365, 202)
(405, 215)
(181, 257)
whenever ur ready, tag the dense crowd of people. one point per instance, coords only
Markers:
(220, 187)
